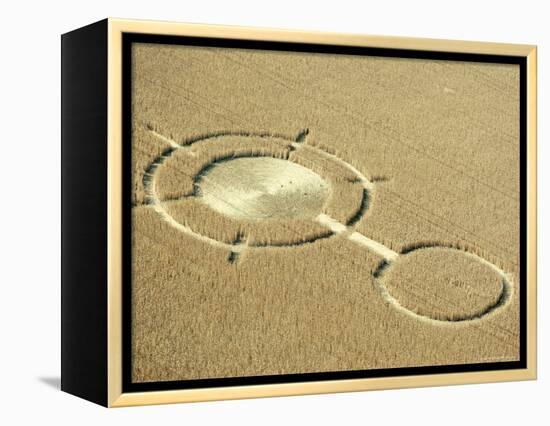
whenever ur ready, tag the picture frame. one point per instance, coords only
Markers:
(99, 104)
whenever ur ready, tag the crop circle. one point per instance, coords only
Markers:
(262, 188)
(247, 191)
(444, 284)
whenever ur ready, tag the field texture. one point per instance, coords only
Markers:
(299, 213)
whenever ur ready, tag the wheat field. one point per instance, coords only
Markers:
(436, 140)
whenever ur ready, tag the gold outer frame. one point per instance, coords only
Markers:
(116, 398)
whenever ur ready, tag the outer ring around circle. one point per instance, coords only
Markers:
(159, 208)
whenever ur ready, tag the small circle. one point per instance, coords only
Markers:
(262, 188)
(445, 284)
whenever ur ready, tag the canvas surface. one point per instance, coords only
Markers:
(297, 213)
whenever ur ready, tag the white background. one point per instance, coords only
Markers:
(30, 211)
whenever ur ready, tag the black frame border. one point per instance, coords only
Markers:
(129, 38)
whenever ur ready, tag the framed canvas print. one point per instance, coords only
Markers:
(251, 213)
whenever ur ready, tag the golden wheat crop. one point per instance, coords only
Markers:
(439, 141)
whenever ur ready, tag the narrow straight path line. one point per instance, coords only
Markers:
(379, 248)
(357, 237)
(173, 143)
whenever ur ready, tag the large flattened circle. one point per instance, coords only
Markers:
(262, 188)
(445, 284)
